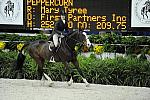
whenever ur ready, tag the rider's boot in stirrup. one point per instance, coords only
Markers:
(54, 49)
(52, 57)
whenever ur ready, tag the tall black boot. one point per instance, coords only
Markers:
(54, 49)
(52, 57)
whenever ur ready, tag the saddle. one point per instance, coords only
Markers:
(42, 41)
(51, 43)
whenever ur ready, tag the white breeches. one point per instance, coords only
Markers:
(55, 39)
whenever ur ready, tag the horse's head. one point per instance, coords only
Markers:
(86, 40)
(81, 38)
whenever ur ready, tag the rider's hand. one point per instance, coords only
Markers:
(61, 36)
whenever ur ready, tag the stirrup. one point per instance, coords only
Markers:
(52, 59)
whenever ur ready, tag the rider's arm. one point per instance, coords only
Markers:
(66, 27)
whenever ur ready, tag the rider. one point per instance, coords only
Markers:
(147, 3)
(60, 29)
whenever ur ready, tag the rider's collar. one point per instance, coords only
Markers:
(64, 21)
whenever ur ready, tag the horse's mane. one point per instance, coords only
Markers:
(72, 33)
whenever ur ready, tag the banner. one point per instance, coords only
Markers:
(140, 13)
(11, 12)
(91, 14)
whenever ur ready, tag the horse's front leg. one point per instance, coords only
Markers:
(76, 64)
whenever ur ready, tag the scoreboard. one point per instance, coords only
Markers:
(99, 15)
(90, 14)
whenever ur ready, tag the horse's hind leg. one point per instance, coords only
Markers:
(40, 68)
(39, 61)
(41, 73)
(76, 64)
(19, 65)
(70, 74)
(49, 79)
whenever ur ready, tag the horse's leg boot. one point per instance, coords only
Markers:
(52, 59)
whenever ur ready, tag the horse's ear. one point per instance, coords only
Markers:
(80, 31)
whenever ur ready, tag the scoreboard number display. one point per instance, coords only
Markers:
(90, 14)
(97, 15)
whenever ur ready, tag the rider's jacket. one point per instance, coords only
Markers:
(60, 28)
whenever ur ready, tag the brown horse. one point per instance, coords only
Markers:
(40, 51)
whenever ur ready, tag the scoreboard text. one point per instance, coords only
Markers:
(90, 14)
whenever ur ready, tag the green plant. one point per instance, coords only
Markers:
(127, 71)
(14, 37)
(7, 63)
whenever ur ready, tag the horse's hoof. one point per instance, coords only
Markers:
(19, 76)
(87, 85)
(70, 83)
(51, 84)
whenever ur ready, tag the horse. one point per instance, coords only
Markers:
(8, 8)
(40, 51)
(145, 10)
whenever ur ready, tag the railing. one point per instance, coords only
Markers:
(24, 34)
(13, 41)
(124, 45)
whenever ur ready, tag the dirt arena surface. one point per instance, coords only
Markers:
(14, 89)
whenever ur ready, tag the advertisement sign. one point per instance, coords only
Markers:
(140, 13)
(91, 14)
(11, 12)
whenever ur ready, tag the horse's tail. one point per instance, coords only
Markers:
(25, 45)
(20, 60)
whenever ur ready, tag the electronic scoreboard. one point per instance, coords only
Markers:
(99, 15)
(90, 14)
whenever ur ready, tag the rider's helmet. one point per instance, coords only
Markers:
(63, 15)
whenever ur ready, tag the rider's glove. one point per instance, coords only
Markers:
(62, 35)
